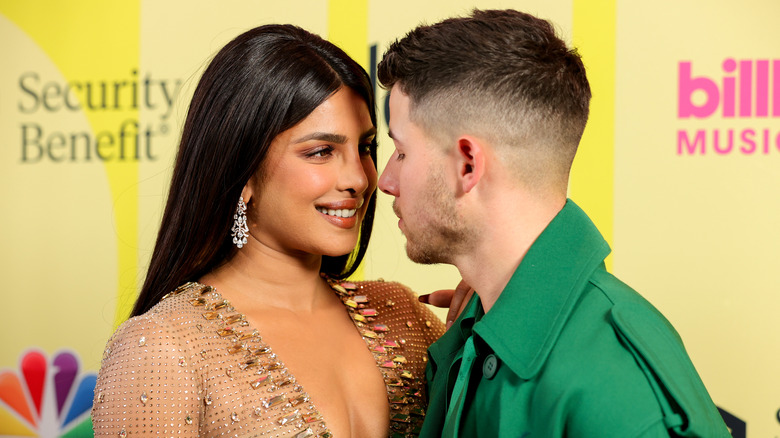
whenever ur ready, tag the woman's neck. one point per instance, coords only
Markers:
(266, 278)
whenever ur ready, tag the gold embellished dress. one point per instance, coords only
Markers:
(193, 366)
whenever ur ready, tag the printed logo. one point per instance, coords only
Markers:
(745, 99)
(113, 106)
(46, 398)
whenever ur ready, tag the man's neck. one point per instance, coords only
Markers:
(508, 235)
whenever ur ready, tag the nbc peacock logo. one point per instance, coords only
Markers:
(46, 397)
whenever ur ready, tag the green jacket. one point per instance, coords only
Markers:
(566, 351)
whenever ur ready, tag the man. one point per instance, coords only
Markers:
(486, 113)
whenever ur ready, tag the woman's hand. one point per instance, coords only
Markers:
(454, 299)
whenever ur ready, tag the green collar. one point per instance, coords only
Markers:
(529, 315)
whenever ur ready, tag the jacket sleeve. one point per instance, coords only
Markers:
(146, 386)
(686, 405)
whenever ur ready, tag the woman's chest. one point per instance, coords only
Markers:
(301, 379)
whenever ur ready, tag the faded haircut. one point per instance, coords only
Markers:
(502, 75)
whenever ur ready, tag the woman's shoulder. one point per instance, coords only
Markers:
(150, 358)
(399, 304)
(165, 326)
(386, 289)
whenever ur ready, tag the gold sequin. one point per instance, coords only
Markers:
(212, 315)
(302, 398)
(288, 418)
(234, 318)
(260, 381)
(237, 347)
(274, 401)
(311, 418)
(308, 433)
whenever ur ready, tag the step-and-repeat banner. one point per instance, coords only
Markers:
(679, 168)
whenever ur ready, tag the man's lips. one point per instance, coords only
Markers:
(396, 210)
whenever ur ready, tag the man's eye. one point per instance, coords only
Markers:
(366, 148)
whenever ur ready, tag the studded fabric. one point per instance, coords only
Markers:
(193, 366)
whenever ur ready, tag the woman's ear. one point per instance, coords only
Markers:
(470, 156)
(248, 190)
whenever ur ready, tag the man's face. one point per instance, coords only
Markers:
(416, 175)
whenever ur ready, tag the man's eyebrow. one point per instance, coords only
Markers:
(323, 136)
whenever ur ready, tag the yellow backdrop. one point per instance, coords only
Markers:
(678, 167)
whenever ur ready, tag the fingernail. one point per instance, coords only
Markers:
(448, 325)
(423, 299)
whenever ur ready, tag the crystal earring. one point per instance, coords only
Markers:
(240, 229)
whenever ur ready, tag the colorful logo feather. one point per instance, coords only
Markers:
(46, 398)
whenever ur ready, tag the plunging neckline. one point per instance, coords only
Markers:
(289, 402)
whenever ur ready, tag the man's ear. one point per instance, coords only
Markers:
(470, 155)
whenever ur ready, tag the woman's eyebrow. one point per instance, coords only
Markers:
(323, 136)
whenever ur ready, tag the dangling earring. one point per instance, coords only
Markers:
(240, 229)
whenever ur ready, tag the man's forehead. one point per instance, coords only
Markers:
(398, 115)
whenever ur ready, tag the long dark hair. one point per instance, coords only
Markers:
(260, 84)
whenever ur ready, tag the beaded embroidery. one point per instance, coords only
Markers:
(404, 393)
(231, 354)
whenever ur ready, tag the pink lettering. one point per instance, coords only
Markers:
(745, 88)
(683, 140)
(749, 144)
(776, 88)
(687, 86)
(751, 141)
(766, 141)
(777, 141)
(716, 142)
(729, 88)
(762, 88)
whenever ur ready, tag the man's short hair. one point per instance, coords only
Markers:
(503, 75)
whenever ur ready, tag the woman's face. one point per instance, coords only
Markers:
(312, 192)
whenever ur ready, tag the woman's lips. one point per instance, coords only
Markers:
(342, 213)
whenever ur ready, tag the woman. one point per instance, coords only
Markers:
(244, 325)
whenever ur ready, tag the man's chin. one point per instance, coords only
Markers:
(422, 256)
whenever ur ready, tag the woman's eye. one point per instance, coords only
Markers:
(320, 152)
